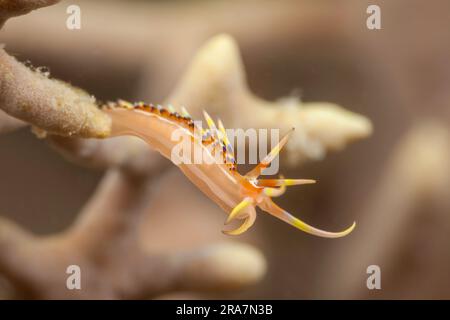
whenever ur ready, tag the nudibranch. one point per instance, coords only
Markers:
(236, 194)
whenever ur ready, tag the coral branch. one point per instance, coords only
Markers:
(106, 241)
(114, 263)
(216, 80)
(129, 153)
(49, 104)
(12, 8)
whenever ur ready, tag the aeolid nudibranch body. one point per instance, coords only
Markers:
(237, 194)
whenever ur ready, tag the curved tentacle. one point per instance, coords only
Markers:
(238, 209)
(248, 222)
(270, 207)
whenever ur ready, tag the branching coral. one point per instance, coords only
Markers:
(106, 243)
(216, 80)
(106, 240)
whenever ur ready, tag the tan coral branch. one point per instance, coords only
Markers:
(216, 81)
(129, 153)
(104, 242)
(49, 104)
(12, 8)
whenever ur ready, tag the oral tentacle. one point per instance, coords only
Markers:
(270, 207)
(239, 208)
(248, 222)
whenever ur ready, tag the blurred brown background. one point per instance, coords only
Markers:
(398, 77)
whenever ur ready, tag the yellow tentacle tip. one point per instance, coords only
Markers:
(324, 234)
(294, 182)
(209, 120)
(236, 210)
(248, 222)
(348, 230)
(275, 192)
(249, 217)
